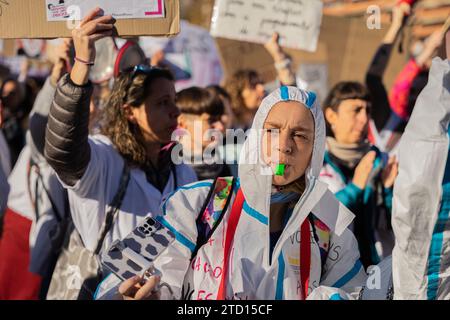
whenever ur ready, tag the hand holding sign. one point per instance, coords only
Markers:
(274, 48)
(62, 55)
(92, 28)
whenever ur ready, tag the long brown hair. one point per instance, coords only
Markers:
(125, 135)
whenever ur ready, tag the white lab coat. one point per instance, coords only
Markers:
(91, 196)
(421, 257)
(251, 276)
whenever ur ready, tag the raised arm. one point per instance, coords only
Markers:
(374, 77)
(283, 63)
(66, 145)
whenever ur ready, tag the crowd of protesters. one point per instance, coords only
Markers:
(364, 178)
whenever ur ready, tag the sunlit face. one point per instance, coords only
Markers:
(157, 117)
(289, 139)
(350, 122)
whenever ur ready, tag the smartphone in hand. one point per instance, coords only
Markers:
(135, 254)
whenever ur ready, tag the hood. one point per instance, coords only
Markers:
(254, 175)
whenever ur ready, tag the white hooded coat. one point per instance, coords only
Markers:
(251, 275)
(420, 217)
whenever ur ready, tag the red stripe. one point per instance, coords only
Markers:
(305, 257)
(231, 229)
(120, 56)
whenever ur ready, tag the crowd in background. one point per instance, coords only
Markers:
(82, 163)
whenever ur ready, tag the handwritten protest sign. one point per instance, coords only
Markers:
(297, 21)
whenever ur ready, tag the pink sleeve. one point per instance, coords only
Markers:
(398, 97)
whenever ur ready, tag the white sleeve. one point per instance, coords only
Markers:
(343, 272)
(423, 153)
(180, 213)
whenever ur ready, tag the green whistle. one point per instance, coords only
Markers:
(279, 170)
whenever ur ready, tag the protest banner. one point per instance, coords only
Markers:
(297, 21)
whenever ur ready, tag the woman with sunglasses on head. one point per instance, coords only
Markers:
(136, 130)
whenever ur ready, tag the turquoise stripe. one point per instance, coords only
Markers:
(189, 187)
(284, 93)
(98, 287)
(437, 239)
(311, 99)
(434, 258)
(349, 195)
(180, 238)
(280, 278)
(336, 296)
(349, 275)
(255, 214)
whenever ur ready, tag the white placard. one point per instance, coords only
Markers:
(297, 21)
(192, 56)
(61, 10)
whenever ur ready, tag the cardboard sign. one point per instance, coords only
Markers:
(297, 21)
(29, 18)
(238, 55)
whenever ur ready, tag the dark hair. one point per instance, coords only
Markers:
(132, 90)
(344, 90)
(220, 91)
(241, 80)
(197, 101)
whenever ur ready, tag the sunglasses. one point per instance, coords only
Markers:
(137, 70)
(141, 69)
